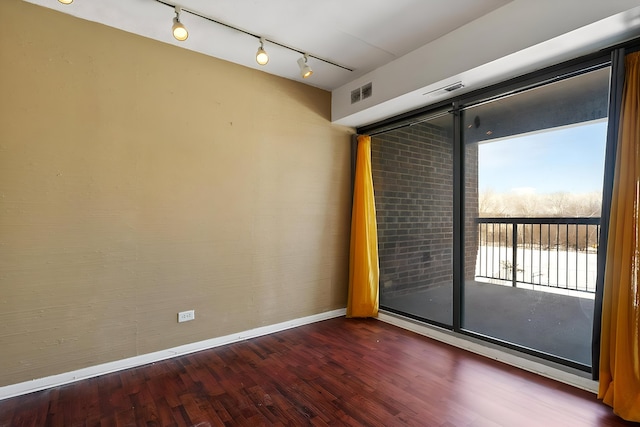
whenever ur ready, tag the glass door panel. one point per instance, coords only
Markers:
(413, 181)
(534, 164)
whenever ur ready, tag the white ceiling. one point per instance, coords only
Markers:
(359, 34)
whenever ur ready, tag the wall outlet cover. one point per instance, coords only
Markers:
(185, 316)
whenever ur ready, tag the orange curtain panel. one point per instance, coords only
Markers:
(363, 262)
(620, 341)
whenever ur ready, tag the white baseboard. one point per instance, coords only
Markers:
(419, 328)
(144, 359)
(500, 355)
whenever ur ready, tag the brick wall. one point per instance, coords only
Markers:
(413, 181)
(471, 210)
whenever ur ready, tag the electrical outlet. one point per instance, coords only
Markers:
(185, 316)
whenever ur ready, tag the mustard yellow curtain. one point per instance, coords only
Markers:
(363, 262)
(620, 340)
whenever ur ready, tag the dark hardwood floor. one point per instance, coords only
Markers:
(337, 372)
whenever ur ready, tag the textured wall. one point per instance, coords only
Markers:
(413, 180)
(471, 210)
(138, 179)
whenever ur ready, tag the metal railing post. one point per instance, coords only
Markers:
(514, 255)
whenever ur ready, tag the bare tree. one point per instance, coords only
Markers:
(559, 204)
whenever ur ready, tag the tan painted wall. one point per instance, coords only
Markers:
(138, 180)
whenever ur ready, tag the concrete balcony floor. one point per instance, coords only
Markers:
(560, 325)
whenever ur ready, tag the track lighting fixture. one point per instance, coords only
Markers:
(179, 31)
(261, 57)
(181, 34)
(66, 1)
(305, 69)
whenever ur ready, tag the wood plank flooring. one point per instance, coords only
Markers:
(340, 372)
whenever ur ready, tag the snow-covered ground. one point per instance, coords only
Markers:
(566, 272)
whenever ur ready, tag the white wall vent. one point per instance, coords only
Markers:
(448, 88)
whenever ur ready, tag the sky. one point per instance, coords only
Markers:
(562, 160)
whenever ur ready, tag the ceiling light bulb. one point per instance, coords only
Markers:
(305, 69)
(179, 31)
(66, 1)
(261, 57)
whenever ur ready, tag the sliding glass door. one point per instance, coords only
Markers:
(489, 211)
(413, 180)
(533, 181)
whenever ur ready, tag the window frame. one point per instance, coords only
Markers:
(607, 58)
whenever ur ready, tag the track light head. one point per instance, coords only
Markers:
(180, 33)
(66, 1)
(305, 69)
(261, 56)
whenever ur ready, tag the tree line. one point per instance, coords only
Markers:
(566, 236)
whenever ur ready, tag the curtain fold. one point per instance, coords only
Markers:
(363, 257)
(620, 340)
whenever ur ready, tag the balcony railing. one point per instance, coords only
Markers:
(549, 252)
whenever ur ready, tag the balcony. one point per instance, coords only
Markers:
(549, 253)
(534, 285)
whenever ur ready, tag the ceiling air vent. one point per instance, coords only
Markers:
(367, 90)
(355, 95)
(454, 86)
(443, 90)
